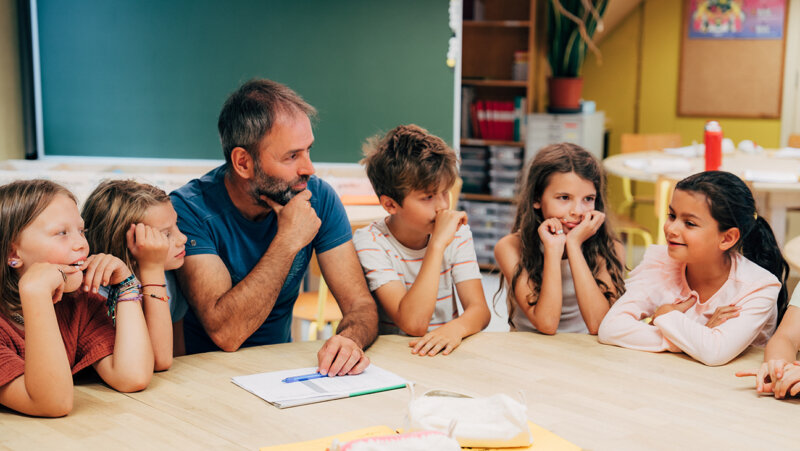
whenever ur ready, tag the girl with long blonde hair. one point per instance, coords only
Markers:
(136, 223)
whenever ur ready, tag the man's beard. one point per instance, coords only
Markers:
(276, 189)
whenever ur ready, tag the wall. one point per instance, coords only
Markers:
(660, 63)
(147, 78)
(11, 137)
(613, 83)
(613, 87)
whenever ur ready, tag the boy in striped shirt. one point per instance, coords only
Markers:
(416, 259)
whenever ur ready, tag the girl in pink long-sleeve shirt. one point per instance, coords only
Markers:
(718, 285)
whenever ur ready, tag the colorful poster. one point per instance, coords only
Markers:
(736, 19)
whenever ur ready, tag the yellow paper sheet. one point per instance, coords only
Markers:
(542, 440)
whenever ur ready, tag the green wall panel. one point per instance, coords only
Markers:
(147, 78)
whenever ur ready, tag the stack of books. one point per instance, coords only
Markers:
(502, 120)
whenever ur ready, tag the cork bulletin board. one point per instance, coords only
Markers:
(732, 67)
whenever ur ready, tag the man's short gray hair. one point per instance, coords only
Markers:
(249, 114)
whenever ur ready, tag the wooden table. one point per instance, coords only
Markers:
(772, 199)
(596, 396)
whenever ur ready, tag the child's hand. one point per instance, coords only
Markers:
(589, 225)
(43, 278)
(552, 235)
(103, 269)
(682, 307)
(447, 223)
(770, 372)
(443, 339)
(789, 382)
(147, 245)
(762, 375)
(722, 314)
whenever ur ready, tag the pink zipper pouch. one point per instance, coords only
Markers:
(410, 441)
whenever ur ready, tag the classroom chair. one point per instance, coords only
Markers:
(663, 194)
(626, 226)
(319, 307)
(631, 143)
(794, 141)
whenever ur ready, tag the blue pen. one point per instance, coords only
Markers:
(304, 377)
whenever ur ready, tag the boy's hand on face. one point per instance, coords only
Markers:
(589, 225)
(553, 237)
(447, 222)
(444, 339)
(147, 245)
(298, 223)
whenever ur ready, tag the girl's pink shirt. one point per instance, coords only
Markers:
(660, 280)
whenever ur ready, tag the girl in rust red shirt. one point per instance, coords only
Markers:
(52, 321)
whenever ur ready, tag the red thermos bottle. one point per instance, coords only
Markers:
(713, 141)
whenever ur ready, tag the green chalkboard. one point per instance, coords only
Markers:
(147, 78)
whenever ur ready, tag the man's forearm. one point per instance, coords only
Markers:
(240, 311)
(360, 325)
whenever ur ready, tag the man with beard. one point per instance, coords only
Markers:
(251, 226)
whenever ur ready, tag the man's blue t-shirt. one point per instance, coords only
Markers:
(213, 225)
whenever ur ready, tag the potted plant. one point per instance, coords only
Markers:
(570, 27)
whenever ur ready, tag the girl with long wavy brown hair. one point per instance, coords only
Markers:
(561, 261)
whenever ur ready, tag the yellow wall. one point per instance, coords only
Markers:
(660, 62)
(613, 87)
(11, 137)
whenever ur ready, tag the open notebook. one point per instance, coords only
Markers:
(269, 386)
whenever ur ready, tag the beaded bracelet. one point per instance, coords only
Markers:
(130, 284)
(160, 298)
(112, 305)
(137, 298)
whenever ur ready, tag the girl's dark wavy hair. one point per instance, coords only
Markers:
(598, 249)
(731, 204)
